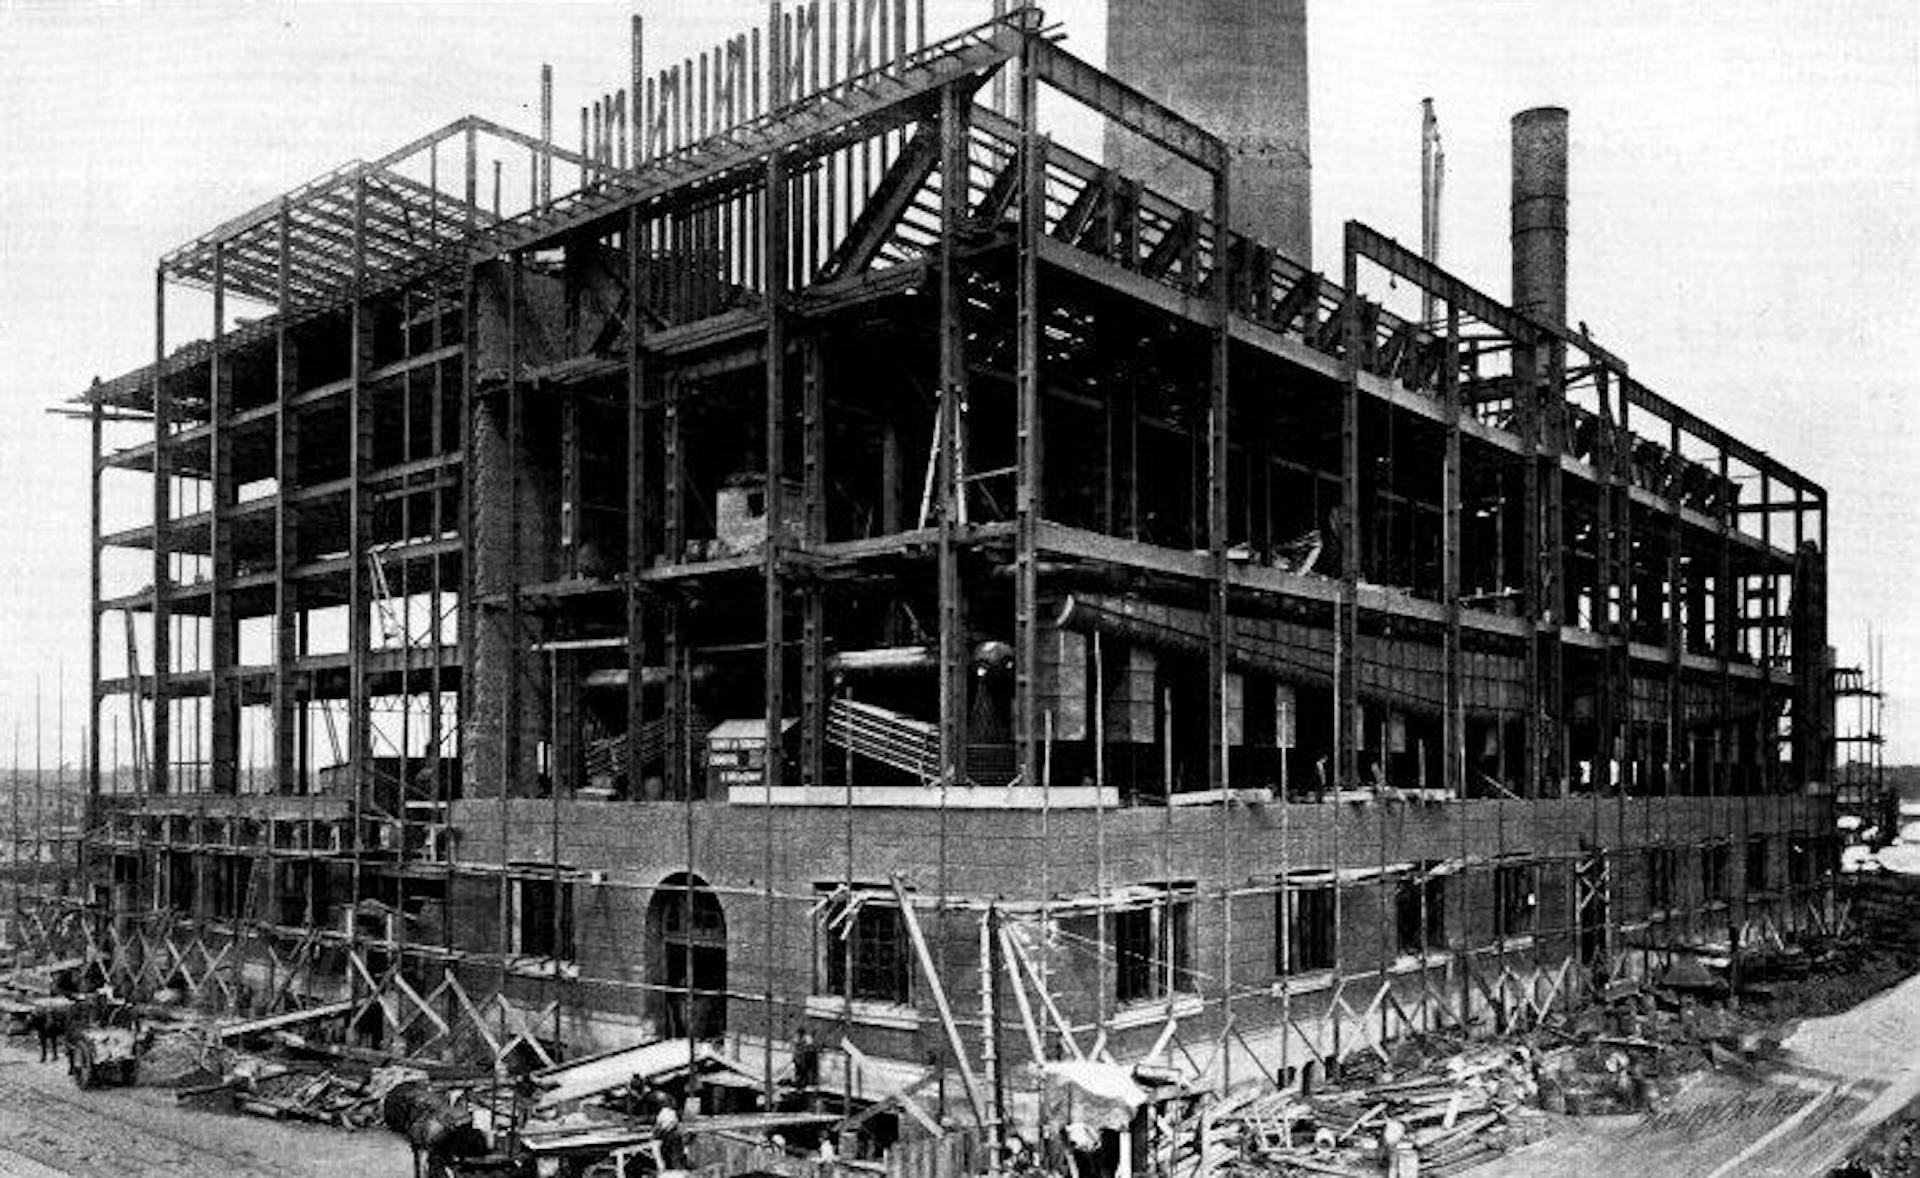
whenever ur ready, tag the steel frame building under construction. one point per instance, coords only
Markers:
(856, 563)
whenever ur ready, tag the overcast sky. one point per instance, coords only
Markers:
(1743, 226)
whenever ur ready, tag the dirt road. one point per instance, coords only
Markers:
(50, 1129)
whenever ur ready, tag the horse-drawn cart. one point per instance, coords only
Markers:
(106, 1051)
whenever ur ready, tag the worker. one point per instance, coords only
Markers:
(1083, 1149)
(806, 1060)
(670, 1139)
(643, 1099)
(633, 1101)
(1019, 1156)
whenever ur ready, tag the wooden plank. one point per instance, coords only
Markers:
(932, 975)
(1020, 999)
(278, 1021)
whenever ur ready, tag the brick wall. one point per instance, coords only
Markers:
(1003, 855)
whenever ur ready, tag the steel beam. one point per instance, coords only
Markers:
(798, 130)
(1396, 258)
(1123, 104)
(898, 185)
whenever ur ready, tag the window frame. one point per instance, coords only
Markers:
(1508, 900)
(1421, 892)
(1293, 932)
(1660, 879)
(1757, 864)
(227, 893)
(1826, 857)
(180, 890)
(1800, 861)
(566, 951)
(1716, 864)
(843, 969)
(1167, 967)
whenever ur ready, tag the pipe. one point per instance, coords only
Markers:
(1540, 213)
(885, 658)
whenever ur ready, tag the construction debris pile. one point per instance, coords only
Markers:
(1883, 947)
(266, 1089)
(1446, 1111)
(182, 1054)
(1439, 1105)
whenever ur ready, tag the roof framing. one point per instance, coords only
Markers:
(411, 228)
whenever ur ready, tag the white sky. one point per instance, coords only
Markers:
(1745, 175)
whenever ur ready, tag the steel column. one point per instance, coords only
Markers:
(95, 420)
(640, 494)
(774, 246)
(813, 685)
(288, 711)
(949, 403)
(1028, 502)
(1453, 707)
(223, 771)
(159, 760)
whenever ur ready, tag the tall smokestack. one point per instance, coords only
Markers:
(1239, 69)
(1540, 213)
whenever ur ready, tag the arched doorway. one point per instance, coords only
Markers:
(687, 958)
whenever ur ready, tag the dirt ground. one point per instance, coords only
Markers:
(50, 1129)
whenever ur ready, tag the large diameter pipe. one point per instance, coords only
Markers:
(1540, 213)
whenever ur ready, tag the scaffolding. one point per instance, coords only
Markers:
(44, 812)
(1868, 810)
